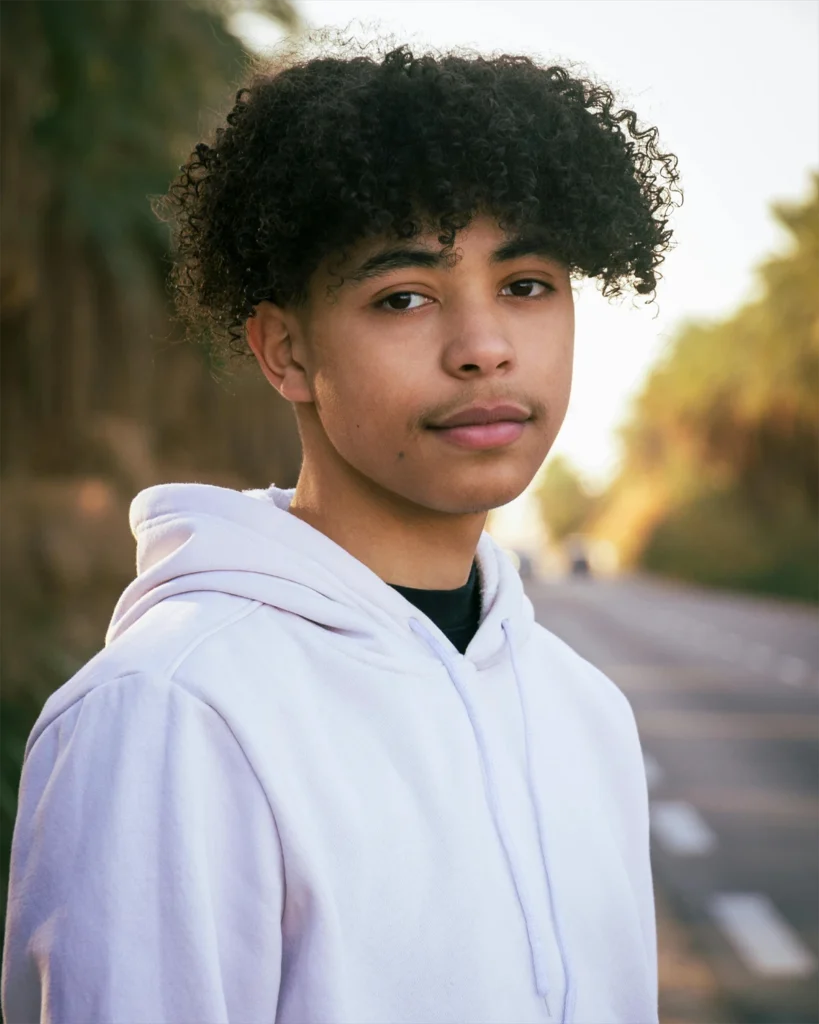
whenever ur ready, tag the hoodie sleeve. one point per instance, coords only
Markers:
(146, 876)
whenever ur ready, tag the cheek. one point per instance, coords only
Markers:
(550, 360)
(362, 406)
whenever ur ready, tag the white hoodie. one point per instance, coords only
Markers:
(279, 793)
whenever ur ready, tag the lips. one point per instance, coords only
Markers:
(483, 426)
(479, 415)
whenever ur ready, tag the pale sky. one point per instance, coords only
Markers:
(732, 85)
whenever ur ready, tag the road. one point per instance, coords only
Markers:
(725, 689)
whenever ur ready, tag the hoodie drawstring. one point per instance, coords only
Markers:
(533, 928)
(569, 997)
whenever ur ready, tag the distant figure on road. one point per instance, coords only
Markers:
(578, 556)
(327, 766)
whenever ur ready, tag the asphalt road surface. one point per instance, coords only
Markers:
(725, 689)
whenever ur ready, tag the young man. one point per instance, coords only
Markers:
(328, 768)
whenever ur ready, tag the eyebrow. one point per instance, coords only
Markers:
(400, 257)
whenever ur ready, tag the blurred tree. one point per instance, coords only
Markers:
(725, 435)
(564, 502)
(99, 103)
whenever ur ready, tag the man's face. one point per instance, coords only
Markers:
(407, 341)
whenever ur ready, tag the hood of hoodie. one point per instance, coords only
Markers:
(198, 537)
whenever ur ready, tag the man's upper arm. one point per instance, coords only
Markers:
(146, 875)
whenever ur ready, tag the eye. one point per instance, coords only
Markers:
(403, 302)
(529, 283)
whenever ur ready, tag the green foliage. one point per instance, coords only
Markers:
(100, 102)
(565, 503)
(717, 539)
(727, 424)
(117, 84)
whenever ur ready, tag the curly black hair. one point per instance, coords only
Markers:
(321, 152)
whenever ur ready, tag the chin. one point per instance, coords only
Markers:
(481, 498)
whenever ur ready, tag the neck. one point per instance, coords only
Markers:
(399, 541)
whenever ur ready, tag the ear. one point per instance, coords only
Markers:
(270, 336)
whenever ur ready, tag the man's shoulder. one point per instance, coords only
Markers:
(585, 678)
(157, 646)
(591, 704)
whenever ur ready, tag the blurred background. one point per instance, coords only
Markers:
(672, 536)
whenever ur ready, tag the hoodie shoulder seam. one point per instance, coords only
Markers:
(175, 684)
(154, 676)
(248, 608)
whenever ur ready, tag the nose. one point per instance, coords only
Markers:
(477, 345)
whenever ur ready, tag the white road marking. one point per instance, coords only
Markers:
(654, 773)
(680, 829)
(762, 938)
(792, 671)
